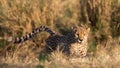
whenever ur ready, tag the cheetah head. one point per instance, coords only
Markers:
(81, 33)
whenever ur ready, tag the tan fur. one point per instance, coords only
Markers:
(80, 48)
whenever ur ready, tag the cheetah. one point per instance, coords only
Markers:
(74, 43)
(80, 48)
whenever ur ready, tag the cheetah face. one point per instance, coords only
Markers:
(81, 33)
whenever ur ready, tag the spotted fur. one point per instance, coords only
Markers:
(80, 48)
(74, 43)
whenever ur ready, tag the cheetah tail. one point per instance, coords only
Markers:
(32, 34)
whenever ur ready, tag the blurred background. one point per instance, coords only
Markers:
(19, 17)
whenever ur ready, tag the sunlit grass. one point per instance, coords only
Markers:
(19, 17)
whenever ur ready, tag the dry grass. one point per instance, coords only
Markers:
(108, 57)
(19, 17)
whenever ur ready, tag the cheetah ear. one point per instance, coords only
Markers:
(88, 29)
(74, 28)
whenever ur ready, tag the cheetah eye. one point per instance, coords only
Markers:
(77, 35)
(84, 34)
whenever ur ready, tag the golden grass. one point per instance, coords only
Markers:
(26, 56)
(19, 17)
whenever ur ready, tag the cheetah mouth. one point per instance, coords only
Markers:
(80, 40)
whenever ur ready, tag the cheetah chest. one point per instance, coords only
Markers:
(78, 49)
